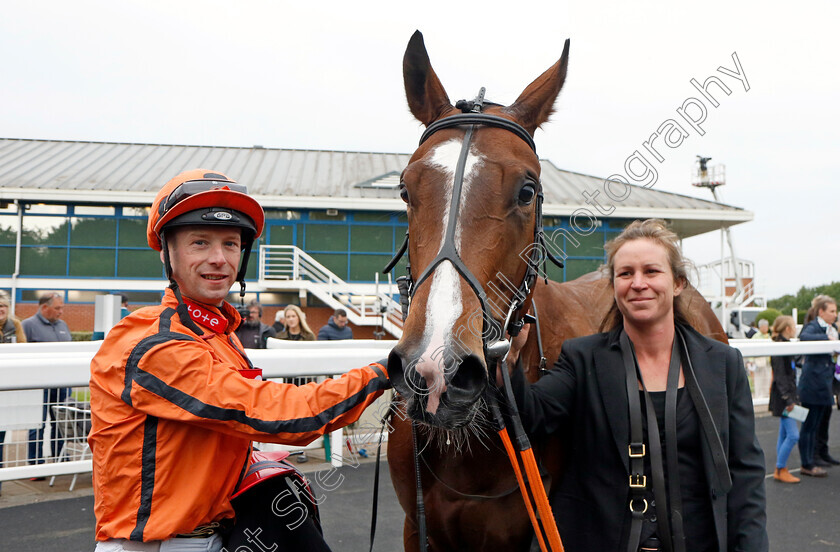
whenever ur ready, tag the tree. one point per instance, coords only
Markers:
(802, 299)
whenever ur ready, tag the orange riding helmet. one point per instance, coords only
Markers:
(204, 197)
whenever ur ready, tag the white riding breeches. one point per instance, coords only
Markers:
(212, 543)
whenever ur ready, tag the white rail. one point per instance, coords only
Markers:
(39, 366)
(50, 365)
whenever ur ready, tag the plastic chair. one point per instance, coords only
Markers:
(73, 424)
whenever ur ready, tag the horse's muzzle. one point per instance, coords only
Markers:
(450, 405)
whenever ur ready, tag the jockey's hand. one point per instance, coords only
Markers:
(512, 358)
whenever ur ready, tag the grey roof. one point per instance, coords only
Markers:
(46, 170)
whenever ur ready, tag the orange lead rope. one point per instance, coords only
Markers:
(537, 489)
(549, 526)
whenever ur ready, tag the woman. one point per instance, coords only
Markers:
(815, 384)
(296, 327)
(783, 397)
(11, 331)
(611, 396)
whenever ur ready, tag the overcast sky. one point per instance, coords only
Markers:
(288, 75)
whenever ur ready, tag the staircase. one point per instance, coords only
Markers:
(288, 268)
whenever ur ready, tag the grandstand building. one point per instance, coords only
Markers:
(73, 219)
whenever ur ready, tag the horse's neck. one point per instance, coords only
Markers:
(566, 310)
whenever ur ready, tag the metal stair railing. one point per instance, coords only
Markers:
(290, 263)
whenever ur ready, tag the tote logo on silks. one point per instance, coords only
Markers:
(206, 318)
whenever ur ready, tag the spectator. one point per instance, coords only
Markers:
(175, 402)
(815, 387)
(336, 329)
(11, 328)
(252, 332)
(279, 321)
(11, 331)
(763, 330)
(296, 327)
(46, 326)
(124, 310)
(734, 331)
(783, 397)
(821, 454)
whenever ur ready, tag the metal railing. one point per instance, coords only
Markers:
(288, 267)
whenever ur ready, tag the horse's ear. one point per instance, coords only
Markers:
(536, 103)
(427, 99)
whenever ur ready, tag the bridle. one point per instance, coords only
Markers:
(493, 338)
(494, 343)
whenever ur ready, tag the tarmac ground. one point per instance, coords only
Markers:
(35, 517)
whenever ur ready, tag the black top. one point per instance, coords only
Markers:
(698, 519)
(583, 402)
(783, 392)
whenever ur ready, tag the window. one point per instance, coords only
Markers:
(326, 237)
(369, 238)
(139, 263)
(93, 231)
(364, 267)
(92, 263)
(132, 233)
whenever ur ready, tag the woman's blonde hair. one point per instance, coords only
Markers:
(304, 327)
(4, 298)
(656, 231)
(780, 324)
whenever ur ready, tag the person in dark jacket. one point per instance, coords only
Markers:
(815, 383)
(336, 329)
(783, 397)
(252, 332)
(611, 395)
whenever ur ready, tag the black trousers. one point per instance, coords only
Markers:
(821, 448)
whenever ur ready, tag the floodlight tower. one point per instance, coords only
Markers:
(704, 176)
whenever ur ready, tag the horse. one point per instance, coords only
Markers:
(467, 255)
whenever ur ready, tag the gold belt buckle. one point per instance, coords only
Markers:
(638, 481)
(635, 454)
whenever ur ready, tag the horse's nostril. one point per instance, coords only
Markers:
(395, 369)
(468, 381)
(405, 382)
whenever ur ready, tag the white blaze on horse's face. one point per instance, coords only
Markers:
(443, 306)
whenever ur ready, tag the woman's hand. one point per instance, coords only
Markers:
(516, 345)
(789, 407)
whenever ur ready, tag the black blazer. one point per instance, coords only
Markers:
(783, 392)
(584, 399)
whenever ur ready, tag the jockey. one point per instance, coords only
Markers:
(173, 404)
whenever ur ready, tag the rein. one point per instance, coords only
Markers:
(494, 343)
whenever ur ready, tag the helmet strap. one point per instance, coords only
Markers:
(167, 264)
(243, 268)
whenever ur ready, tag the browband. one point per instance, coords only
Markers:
(460, 119)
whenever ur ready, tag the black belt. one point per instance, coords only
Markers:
(638, 484)
(668, 503)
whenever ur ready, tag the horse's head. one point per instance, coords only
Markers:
(473, 199)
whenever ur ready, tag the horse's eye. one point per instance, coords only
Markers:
(403, 193)
(527, 193)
